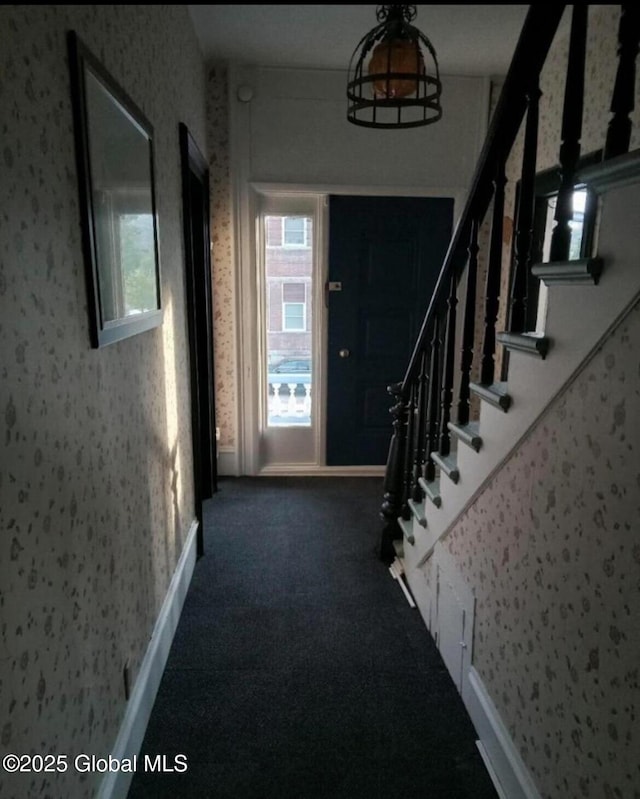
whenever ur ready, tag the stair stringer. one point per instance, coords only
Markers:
(579, 319)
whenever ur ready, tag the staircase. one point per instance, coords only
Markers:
(581, 314)
(473, 393)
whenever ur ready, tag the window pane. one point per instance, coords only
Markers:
(294, 233)
(293, 316)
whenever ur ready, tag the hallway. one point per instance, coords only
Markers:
(298, 669)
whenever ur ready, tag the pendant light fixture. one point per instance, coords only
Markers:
(390, 85)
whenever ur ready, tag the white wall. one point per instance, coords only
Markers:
(96, 468)
(300, 134)
(293, 131)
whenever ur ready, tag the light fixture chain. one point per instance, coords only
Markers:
(384, 12)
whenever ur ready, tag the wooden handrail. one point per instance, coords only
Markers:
(445, 359)
(535, 40)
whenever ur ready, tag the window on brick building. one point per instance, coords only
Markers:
(294, 231)
(294, 312)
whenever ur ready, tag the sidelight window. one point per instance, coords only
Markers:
(288, 272)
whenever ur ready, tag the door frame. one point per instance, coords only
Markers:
(247, 308)
(313, 205)
(199, 304)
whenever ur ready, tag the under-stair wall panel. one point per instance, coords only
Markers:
(550, 550)
(450, 628)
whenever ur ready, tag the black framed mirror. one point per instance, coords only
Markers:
(114, 149)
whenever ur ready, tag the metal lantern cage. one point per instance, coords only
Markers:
(391, 82)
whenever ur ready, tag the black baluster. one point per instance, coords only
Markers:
(468, 331)
(494, 272)
(393, 479)
(622, 101)
(448, 364)
(433, 403)
(421, 452)
(571, 134)
(524, 230)
(405, 511)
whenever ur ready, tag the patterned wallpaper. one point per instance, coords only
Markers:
(551, 549)
(222, 252)
(96, 484)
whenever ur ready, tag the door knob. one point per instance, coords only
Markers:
(344, 353)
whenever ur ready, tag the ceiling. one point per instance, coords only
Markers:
(468, 39)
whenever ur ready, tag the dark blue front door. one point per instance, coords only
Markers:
(384, 258)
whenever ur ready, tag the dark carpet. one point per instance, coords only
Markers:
(298, 669)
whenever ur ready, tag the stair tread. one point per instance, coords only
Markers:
(432, 490)
(579, 271)
(417, 508)
(495, 394)
(406, 525)
(469, 433)
(529, 343)
(447, 464)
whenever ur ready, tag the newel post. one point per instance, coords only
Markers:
(394, 476)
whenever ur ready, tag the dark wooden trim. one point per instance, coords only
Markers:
(420, 449)
(393, 480)
(571, 134)
(468, 331)
(520, 301)
(494, 273)
(448, 365)
(199, 310)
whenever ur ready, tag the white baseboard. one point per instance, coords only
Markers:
(313, 470)
(115, 785)
(228, 465)
(504, 763)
